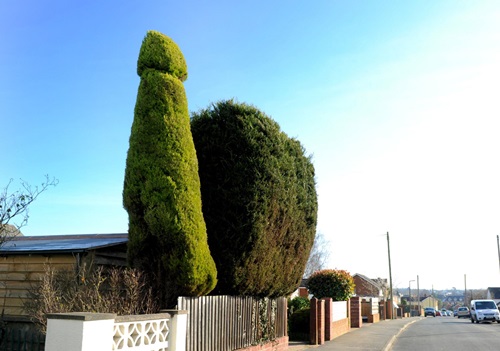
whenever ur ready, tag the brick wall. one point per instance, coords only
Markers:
(363, 288)
(280, 344)
(339, 328)
(322, 328)
(374, 318)
(303, 292)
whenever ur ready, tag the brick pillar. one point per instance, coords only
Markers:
(328, 319)
(389, 309)
(313, 328)
(356, 318)
(349, 313)
(321, 322)
(381, 310)
(317, 322)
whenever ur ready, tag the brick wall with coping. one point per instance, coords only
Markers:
(334, 329)
(280, 344)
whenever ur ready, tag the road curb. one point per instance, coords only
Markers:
(388, 346)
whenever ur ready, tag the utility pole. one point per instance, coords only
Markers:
(409, 295)
(418, 295)
(498, 247)
(391, 297)
(465, 292)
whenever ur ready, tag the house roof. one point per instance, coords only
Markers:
(60, 243)
(368, 280)
(495, 292)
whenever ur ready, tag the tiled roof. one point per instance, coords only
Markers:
(368, 280)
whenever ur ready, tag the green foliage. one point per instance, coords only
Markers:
(337, 284)
(259, 200)
(167, 232)
(160, 53)
(298, 324)
(265, 328)
(298, 303)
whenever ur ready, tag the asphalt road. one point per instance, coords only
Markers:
(448, 333)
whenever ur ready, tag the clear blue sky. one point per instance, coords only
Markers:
(396, 101)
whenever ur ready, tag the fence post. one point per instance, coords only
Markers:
(79, 331)
(178, 330)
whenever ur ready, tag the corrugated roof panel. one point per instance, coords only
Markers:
(61, 243)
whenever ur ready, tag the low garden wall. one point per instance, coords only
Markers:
(329, 319)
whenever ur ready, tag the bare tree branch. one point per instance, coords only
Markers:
(14, 206)
(319, 255)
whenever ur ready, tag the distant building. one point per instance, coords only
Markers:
(493, 294)
(453, 300)
(24, 259)
(364, 286)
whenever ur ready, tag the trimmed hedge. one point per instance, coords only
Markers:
(299, 325)
(337, 284)
(298, 303)
(167, 232)
(259, 200)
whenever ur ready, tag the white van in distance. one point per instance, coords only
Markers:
(484, 310)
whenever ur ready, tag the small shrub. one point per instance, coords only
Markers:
(298, 325)
(91, 289)
(298, 303)
(337, 284)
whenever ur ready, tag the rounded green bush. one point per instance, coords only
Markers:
(259, 200)
(337, 284)
(298, 303)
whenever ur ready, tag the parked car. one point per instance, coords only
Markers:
(484, 310)
(429, 311)
(438, 313)
(463, 312)
(455, 312)
(445, 312)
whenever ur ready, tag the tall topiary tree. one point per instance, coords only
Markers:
(167, 232)
(337, 284)
(259, 200)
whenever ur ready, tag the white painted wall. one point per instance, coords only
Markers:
(339, 310)
(95, 331)
(79, 334)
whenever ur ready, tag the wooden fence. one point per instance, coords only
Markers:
(369, 306)
(226, 323)
(21, 340)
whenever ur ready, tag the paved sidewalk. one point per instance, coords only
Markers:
(371, 337)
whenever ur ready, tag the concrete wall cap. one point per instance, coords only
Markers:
(82, 316)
